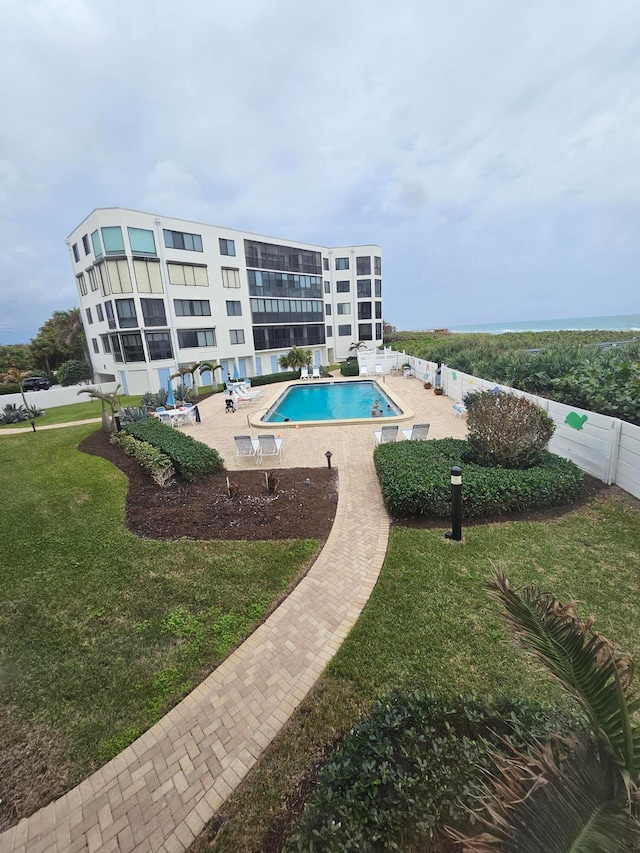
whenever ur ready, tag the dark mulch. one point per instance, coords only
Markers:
(203, 509)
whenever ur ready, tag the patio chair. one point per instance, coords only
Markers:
(316, 373)
(418, 432)
(269, 445)
(386, 434)
(459, 408)
(379, 370)
(364, 370)
(246, 447)
(245, 397)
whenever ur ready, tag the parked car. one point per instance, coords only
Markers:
(36, 383)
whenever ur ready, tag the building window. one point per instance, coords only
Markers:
(378, 290)
(97, 245)
(342, 263)
(377, 265)
(93, 279)
(116, 348)
(236, 336)
(132, 348)
(82, 284)
(76, 253)
(344, 308)
(106, 347)
(269, 256)
(89, 317)
(100, 313)
(286, 310)
(190, 338)
(325, 263)
(119, 276)
(192, 307)
(329, 331)
(103, 278)
(153, 313)
(363, 266)
(342, 287)
(112, 240)
(230, 277)
(364, 288)
(96, 348)
(188, 274)
(365, 332)
(343, 331)
(327, 310)
(182, 240)
(126, 311)
(227, 247)
(378, 310)
(141, 241)
(108, 308)
(327, 287)
(85, 244)
(284, 337)
(159, 345)
(282, 284)
(378, 331)
(148, 278)
(234, 309)
(364, 310)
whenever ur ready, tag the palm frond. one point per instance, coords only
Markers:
(536, 806)
(585, 663)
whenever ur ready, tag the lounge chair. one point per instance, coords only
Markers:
(246, 447)
(304, 373)
(364, 370)
(245, 397)
(316, 373)
(269, 445)
(418, 432)
(459, 408)
(379, 370)
(386, 434)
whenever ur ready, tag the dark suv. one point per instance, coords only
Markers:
(36, 383)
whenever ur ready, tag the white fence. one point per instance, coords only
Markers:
(56, 396)
(606, 448)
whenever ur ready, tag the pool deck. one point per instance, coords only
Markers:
(158, 794)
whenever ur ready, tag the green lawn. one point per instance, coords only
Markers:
(430, 623)
(101, 631)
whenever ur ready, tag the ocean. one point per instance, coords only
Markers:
(619, 322)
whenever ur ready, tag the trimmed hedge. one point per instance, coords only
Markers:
(350, 368)
(190, 458)
(10, 388)
(270, 378)
(415, 478)
(412, 766)
(146, 455)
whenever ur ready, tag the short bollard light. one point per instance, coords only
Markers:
(328, 454)
(455, 534)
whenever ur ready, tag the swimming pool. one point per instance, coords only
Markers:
(330, 401)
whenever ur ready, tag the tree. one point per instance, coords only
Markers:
(71, 372)
(356, 347)
(205, 366)
(107, 399)
(16, 355)
(296, 357)
(589, 801)
(61, 338)
(13, 374)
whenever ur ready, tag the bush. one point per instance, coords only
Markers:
(152, 401)
(350, 368)
(13, 414)
(130, 414)
(270, 378)
(412, 766)
(148, 457)
(507, 430)
(72, 372)
(190, 458)
(10, 388)
(415, 481)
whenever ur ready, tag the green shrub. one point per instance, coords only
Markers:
(147, 456)
(72, 372)
(149, 400)
(14, 414)
(507, 430)
(270, 378)
(412, 766)
(129, 414)
(415, 481)
(10, 388)
(350, 368)
(190, 458)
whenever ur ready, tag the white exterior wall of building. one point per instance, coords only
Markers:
(120, 269)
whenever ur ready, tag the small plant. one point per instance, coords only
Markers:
(129, 414)
(13, 414)
(152, 401)
(272, 481)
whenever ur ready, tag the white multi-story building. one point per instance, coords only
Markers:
(158, 292)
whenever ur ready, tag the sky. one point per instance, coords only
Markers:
(491, 147)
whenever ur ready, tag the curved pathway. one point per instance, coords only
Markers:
(158, 794)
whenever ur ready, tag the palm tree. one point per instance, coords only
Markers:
(297, 357)
(107, 399)
(357, 346)
(16, 375)
(590, 802)
(206, 365)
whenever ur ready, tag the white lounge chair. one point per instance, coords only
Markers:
(304, 373)
(379, 370)
(269, 445)
(246, 447)
(459, 408)
(364, 370)
(316, 373)
(418, 432)
(245, 397)
(386, 434)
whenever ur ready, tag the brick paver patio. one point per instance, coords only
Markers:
(158, 794)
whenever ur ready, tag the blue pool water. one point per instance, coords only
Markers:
(330, 401)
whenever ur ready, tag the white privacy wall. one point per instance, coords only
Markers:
(604, 447)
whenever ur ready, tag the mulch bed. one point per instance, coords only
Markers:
(203, 509)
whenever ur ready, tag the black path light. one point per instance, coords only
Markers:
(328, 454)
(455, 534)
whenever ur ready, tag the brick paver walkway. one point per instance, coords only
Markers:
(158, 794)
